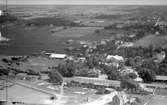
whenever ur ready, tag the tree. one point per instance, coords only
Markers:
(93, 61)
(147, 75)
(129, 84)
(67, 69)
(112, 73)
(54, 77)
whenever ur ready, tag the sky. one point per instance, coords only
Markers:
(108, 2)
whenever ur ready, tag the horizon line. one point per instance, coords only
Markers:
(90, 4)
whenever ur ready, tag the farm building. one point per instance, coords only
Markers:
(56, 56)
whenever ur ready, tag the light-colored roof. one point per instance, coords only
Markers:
(117, 57)
(158, 77)
(61, 56)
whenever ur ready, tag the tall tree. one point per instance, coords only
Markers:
(147, 75)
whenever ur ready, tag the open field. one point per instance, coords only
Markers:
(157, 41)
(38, 39)
(76, 32)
